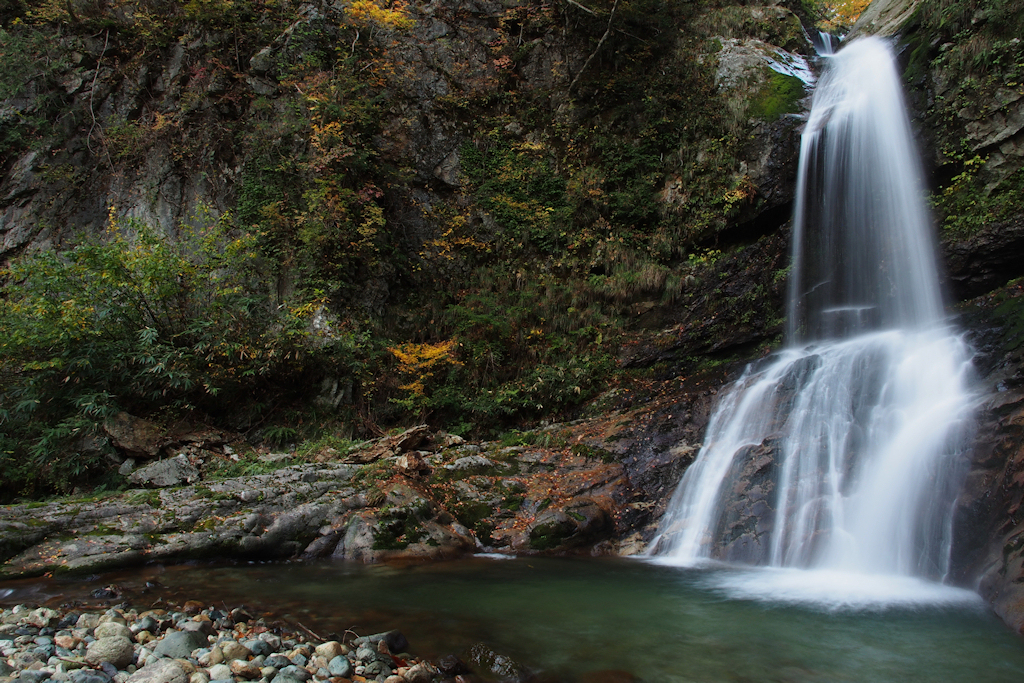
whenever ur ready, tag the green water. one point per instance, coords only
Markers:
(567, 617)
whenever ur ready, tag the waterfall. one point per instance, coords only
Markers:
(842, 453)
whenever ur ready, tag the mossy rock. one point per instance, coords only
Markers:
(552, 530)
(781, 94)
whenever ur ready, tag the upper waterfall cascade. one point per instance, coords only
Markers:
(842, 453)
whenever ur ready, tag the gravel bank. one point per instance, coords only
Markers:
(197, 644)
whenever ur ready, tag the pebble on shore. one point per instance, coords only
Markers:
(193, 645)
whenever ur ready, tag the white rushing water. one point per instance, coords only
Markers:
(842, 454)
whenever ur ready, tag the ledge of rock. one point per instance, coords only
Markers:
(579, 487)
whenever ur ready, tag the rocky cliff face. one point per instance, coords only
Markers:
(603, 174)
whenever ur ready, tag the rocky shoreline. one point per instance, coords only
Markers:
(194, 643)
(594, 485)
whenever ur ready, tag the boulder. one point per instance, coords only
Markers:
(135, 436)
(174, 471)
(578, 523)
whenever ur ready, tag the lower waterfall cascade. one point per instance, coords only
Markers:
(843, 452)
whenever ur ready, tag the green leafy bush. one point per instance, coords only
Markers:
(138, 322)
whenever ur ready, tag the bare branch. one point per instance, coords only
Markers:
(597, 49)
(584, 7)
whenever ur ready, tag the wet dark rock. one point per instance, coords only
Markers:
(502, 666)
(748, 518)
(452, 665)
(239, 615)
(986, 260)
(988, 537)
(395, 641)
(581, 522)
(135, 436)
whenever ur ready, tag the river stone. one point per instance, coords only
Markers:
(34, 675)
(67, 642)
(5, 668)
(204, 627)
(244, 669)
(199, 677)
(258, 647)
(111, 616)
(117, 650)
(452, 665)
(42, 617)
(271, 639)
(146, 623)
(330, 649)
(88, 621)
(421, 673)
(219, 671)
(296, 672)
(180, 644)
(160, 671)
(277, 661)
(470, 462)
(111, 628)
(214, 656)
(88, 676)
(340, 666)
(234, 650)
(377, 668)
(283, 678)
(396, 641)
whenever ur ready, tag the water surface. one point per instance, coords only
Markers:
(567, 617)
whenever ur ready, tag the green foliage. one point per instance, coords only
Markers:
(980, 66)
(982, 36)
(515, 182)
(248, 464)
(28, 57)
(326, 446)
(321, 211)
(139, 321)
(1009, 311)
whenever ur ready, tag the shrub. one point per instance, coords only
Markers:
(137, 322)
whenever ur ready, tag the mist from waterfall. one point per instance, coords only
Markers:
(843, 452)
